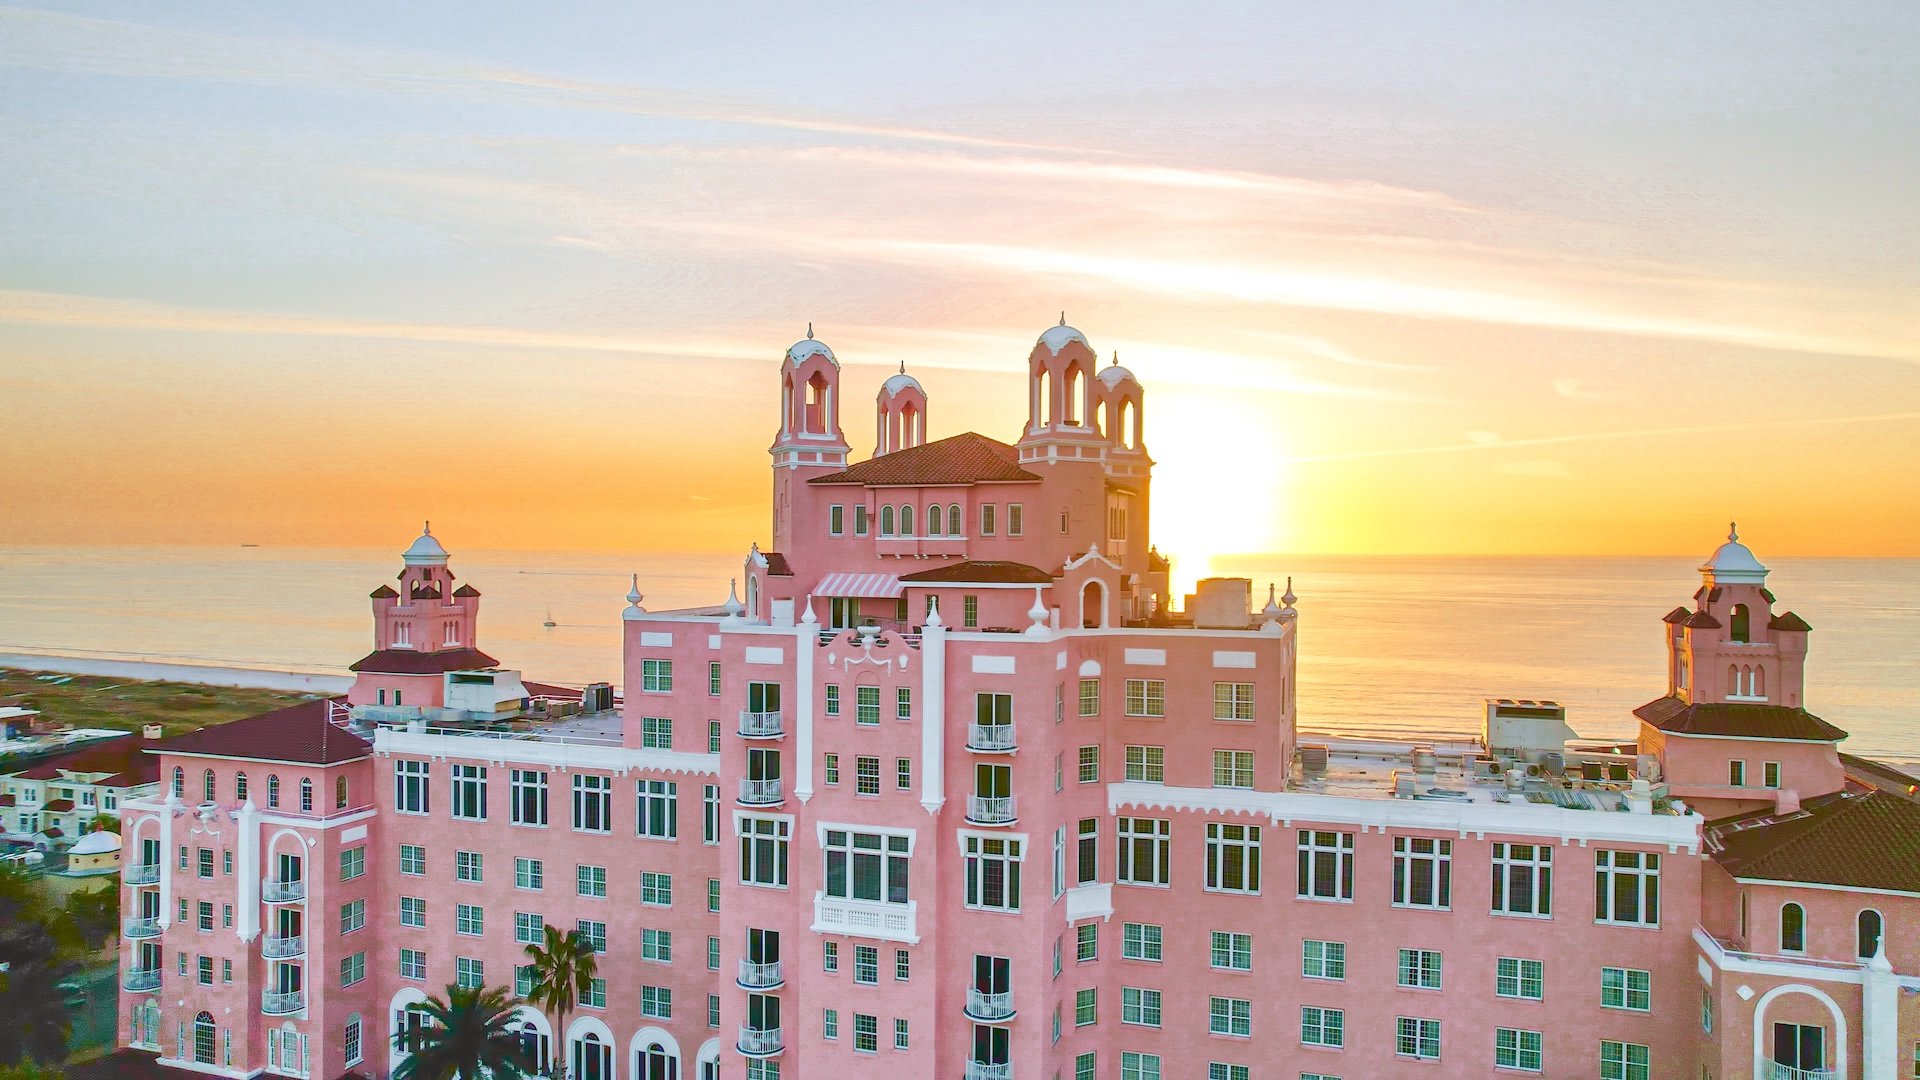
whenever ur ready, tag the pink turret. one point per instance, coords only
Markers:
(900, 414)
(421, 630)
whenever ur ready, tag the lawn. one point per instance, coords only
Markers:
(98, 701)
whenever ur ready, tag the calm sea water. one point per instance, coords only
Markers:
(1388, 645)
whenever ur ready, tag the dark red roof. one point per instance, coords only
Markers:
(415, 662)
(1700, 620)
(6, 800)
(426, 594)
(969, 458)
(1880, 775)
(1677, 615)
(777, 565)
(53, 831)
(540, 689)
(466, 590)
(303, 733)
(59, 806)
(124, 755)
(981, 572)
(384, 592)
(1855, 839)
(1737, 720)
(1787, 620)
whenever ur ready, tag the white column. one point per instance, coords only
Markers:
(806, 642)
(167, 854)
(933, 712)
(246, 923)
(1879, 1018)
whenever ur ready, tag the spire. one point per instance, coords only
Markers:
(1733, 532)
(733, 605)
(426, 528)
(1063, 316)
(809, 329)
(1272, 610)
(903, 367)
(1116, 358)
(1288, 598)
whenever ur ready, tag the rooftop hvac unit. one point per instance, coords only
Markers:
(597, 697)
(1313, 761)
(1553, 763)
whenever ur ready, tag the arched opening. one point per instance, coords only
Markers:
(1867, 934)
(203, 1038)
(1793, 928)
(1128, 431)
(1740, 623)
(1076, 390)
(815, 421)
(753, 597)
(953, 519)
(1733, 680)
(934, 520)
(1093, 605)
(273, 791)
(306, 795)
(786, 404)
(886, 521)
(909, 426)
(340, 793)
(1759, 682)
(656, 1062)
(906, 521)
(206, 786)
(592, 1058)
(179, 782)
(1043, 399)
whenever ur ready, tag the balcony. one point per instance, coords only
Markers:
(987, 1007)
(140, 928)
(987, 1070)
(287, 1004)
(760, 976)
(1776, 1071)
(760, 1042)
(140, 873)
(990, 810)
(139, 979)
(761, 792)
(283, 892)
(865, 918)
(283, 948)
(761, 725)
(990, 738)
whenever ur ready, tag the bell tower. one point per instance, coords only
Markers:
(900, 414)
(810, 442)
(1732, 647)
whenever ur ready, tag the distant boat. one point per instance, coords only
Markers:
(249, 545)
(549, 623)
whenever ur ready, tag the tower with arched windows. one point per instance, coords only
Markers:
(809, 442)
(900, 414)
(421, 630)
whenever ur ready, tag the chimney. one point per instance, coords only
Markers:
(152, 732)
(1786, 801)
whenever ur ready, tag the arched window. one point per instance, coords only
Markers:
(906, 521)
(179, 782)
(1793, 928)
(592, 1059)
(340, 793)
(886, 521)
(753, 597)
(1759, 685)
(203, 1038)
(934, 520)
(306, 795)
(656, 1063)
(273, 791)
(953, 519)
(1733, 680)
(206, 785)
(1740, 623)
(1076, 389)
(1868, 933)
(240, 787)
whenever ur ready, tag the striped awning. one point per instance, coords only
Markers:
(871, 586)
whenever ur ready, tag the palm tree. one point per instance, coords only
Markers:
(563, 971)
(471, 1034)
(30, 998)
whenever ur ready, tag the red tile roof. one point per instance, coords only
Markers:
(466, 590)
(303, 733)
(1787, 620)
(969, 458)
(1737, 720)
(540, 689)
(777, 565)
(124, 755)
(981, 572)
(384, 592)
(1677, 615)
(415, 662)
(6, 800)
(59, 806)
(1700, 620)
(1862, 840)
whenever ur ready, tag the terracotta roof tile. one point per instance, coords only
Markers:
(981, 572)
(121, 755)
(1677, 615)
(466, 590)
(1700, 620)
(1787, 620)
(777, 565)
(415, 662)
(1738, 720)
(1862, 840)
(384, 592)
(59, 806)
(302, 733)
(970, 458)
(6, 800)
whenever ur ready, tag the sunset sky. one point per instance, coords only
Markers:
(1409, 278)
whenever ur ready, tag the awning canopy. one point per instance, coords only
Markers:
(869, 586)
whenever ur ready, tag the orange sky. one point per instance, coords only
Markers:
(283, 282)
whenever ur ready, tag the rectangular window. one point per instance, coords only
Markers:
(969, 612)
(656, 946)
(1230, 1016)
(656, 733)
(1086, 1007)
(353, 916)
(1625, 1061)
(1085, 1066)
(1323, 1027)
(1089, 697)
(1517, 978)
(993, 872)
(529, 928)
(353, 862)
(1146, 764)
(1233, 858)
(657, 815)
(205, 969)
(903, 703)
(713, 896)
(593, 932)
(1087, 852)
(1015, 522)
(866, 705)
(592, 803)
(1137, 1066)
(469, 973)
(1233, 768)
(833, 701)
(1230, 951)
(1736, 773)
(1140, 941)
(529, 874)
(836, 520)
(469, 920)
(410, 779)
(1523, 880)
(413, 911)
(1516, 1049)
(413, 860)
(710, 814)
(205, 912)
(590, 881)
(1326, 866)
(902, 965)
(713, 678)
(713, 953)
(1770, 774)
(467, 866)
(830, 1024)
(1146, 697)
(830, 956)
(656, 889)
(413, 964)
(860, 521)
(763, 851)
(656, 1002)
(866, 1033)
(1324, 959)
(830, 764)
(987, 525)
(1086, 942)
(1139, 1007)
(1089, 765)
(1146, 849)
(1422, 872)
(1233, 701)
(1626, 888)
(866, 775)
(523, 976)
(903, 774)
(656, 676)
(1626, 988)
(469, 792)
(596, 995)
(1418, 1038)
(1420, 968)
(866, 965)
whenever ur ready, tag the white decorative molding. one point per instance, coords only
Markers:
(656, 639)
(1224, 658)
(1090, 902)
(993, 665)
(866, 918)
(1147, 657)
(549, 752)
(765, 654)
(1089, 669)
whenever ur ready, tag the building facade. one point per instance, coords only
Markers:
(950, 787)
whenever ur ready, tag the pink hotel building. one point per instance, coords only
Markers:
(949, 788)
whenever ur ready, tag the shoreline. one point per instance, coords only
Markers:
(199, 674)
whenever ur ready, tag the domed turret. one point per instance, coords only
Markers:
(902, 381)
(1056, 337)
(900, 414)
(1733, 563)
(426, 551)
(1060, 373)
(807, 347)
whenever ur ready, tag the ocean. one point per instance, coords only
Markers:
(1389, 645)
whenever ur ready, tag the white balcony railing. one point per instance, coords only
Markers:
(140, 928)
(761, 725)
(760, 1042)
(283, 892)
(990, 738)
(760, 976)
(140, 873)
(138, 979)
(987, 1070)
(1777, 1071)
(760, 792)
(284, 1004)
(990, 809)
(282, 948)
(989, 1007)
(865, 918)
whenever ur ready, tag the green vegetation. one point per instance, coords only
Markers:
(40, 946)
(99, 701)
(468, 1034)
(564, 968)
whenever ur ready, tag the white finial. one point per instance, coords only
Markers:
(633, 594)
(1272, 610)
(1038, 613)
(807, 618)
(1733, 532)
(733, 605)
(1288, 598)
(1878, 961)
(933, 612)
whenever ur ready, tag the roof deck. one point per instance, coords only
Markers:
(1459, 769)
